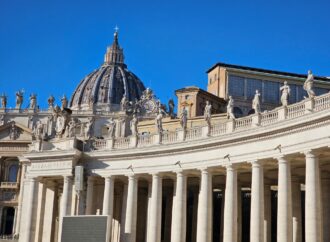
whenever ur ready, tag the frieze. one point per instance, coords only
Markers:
(51, 165)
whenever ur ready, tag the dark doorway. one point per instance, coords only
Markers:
(7, 220)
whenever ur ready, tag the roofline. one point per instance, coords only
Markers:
(221, 64)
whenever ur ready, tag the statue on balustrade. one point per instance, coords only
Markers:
(51, 101)
(184, 118)
(285, 90)
(33, 101)
(134, 125)
(111, 128)
(64, 102)
(3, 100)
(39, 130)
(208, 113)
(19, 99)
(256, 102)
(171, 106)
(89, 128)
(159, 122)
(230, 108)
(62, 118)
(308, 85)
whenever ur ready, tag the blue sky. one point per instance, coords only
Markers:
(47, 47)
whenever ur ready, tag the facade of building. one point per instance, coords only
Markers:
(156, 177)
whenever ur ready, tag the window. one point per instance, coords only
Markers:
(271, 92)
(293, 93)
(236, 86)
(12, 176)
(320, 91)
(252, 86)
(238, 112)
(301, 93)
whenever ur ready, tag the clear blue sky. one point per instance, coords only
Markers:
(47, 47)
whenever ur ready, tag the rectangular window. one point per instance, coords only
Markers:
(236, 86)
(319, 91)
(252, 86)
(271, 92)
(301, 93)
(293, 93)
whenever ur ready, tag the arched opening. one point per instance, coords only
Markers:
(12, 175)
(7, 220)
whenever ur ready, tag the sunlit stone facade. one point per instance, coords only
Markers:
(260, 178)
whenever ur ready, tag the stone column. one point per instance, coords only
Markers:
(29, 211)
(326, 207)
(89, 195)
(203, 220)
(64, 203)
(155, 215)
(131, 209)
(108, 202)
(257, 203)
(179, 209)
(284, 202)
(20, 198)
(268, 213)
(313, 218)
(296, 211)
(230, 213)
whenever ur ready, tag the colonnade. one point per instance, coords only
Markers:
(289, 228)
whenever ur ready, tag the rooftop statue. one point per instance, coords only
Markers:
(3, 100)
(134, 125)
(159, 122)
(285, 89)
(171, 106)
(71, 128)
(89, 128)
(256, 102)
(230, 108)
(64, 102)
(308, 85)
(207, 113)
(39, 130)
(184, 118)
(33, 101)
(19, 99)
(51, 101)
(111, 128)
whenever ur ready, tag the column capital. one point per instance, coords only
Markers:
(256, 163)
(310, 154)
(230, 166)
(281, 159)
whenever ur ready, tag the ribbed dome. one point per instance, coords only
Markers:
(105, 87)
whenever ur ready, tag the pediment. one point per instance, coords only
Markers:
(13, 131)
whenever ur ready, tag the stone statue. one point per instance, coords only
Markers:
(207, 113)
(256, 102)
(39, 130)
(71, 128)
(64, 102)
(159, 122)
(184, 118)
(230, 108)
(51, 101)
(62, 118)
(308, 85)
(123, 103)
(33, 101)
(285, 89)
(111, 128)
(13, 132)
(134, 125)
(3, 101)
(19, 99)
(2, 119)
(171, 106)
(89, 128)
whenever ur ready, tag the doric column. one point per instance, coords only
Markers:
(268, 213)
(154, 228)
(67, 182)
(313, 218)
(29, 210)
(108, 202)
(179, 209)
(131, 209)
(284, 202)
(230, 213)
(296, 210)
(89, 195)
(20, 198)
(203, 216)
(257, 203)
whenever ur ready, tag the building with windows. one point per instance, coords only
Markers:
(113, 164)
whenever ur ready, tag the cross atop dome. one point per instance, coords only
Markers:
(114, 54)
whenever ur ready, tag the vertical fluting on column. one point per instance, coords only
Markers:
(67, 182)
(131, 209)
(203, 221)
(29, 210)
(108, 198)
(230, 214)
(313, 218)
(267, 213)
(296, 210)
(257, 203)
(284, 202)
(326, 206)
(155, 215)
(178, 231)
(89, 195)
(20, 198)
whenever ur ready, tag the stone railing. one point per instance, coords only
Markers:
(9, 185)
(226, 126)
